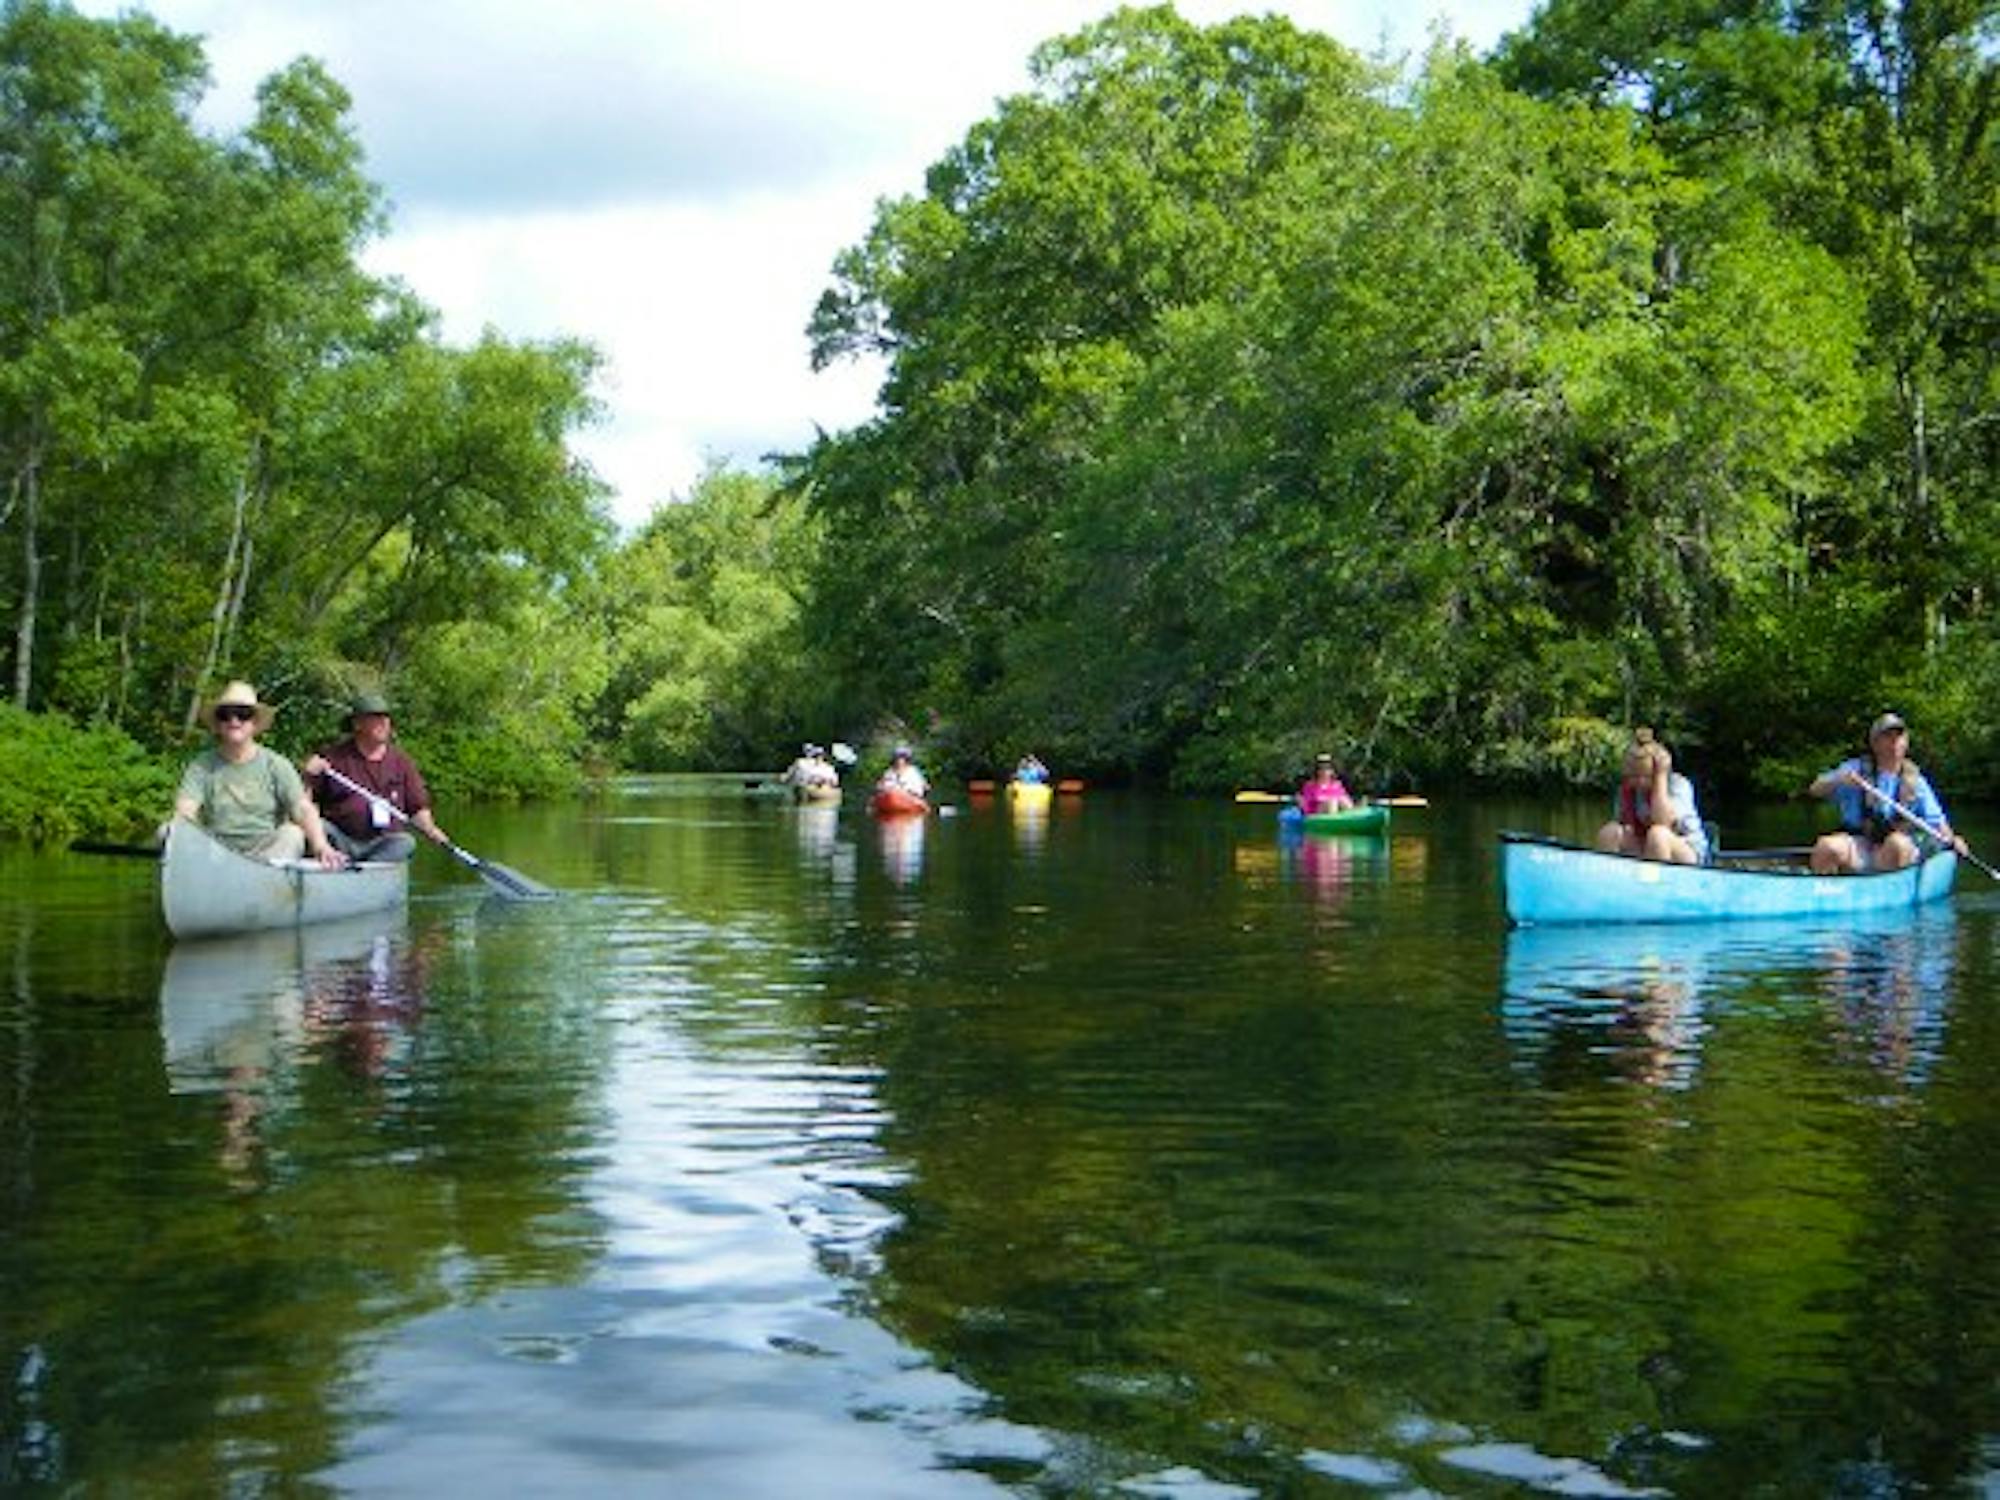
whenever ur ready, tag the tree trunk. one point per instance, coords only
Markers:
(1920, 509)
(31, 582)
(228, 593)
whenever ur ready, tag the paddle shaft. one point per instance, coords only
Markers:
(1935, 832)
(498, 875)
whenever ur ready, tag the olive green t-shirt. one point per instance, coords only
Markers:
(242, 802)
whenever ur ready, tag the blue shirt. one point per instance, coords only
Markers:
(1856, 806)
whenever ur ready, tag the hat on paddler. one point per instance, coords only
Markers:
(1889, 723)
(366, 703)
(239, 694)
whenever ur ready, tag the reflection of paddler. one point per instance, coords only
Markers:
(358, 1006)
(1326, 863)
(234, 1015)
(231, 1008)
(234, 1005)
(818, 826)
(1629, 1008)
(902, 848)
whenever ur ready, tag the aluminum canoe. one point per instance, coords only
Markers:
(209, 890)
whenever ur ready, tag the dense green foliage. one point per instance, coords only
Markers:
(1241, 398)
(228, 451)
(711, 667)
(58, 780)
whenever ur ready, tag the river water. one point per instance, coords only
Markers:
(1127, 1149)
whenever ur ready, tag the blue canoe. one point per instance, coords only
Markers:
(1545, 880)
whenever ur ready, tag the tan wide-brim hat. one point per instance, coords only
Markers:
(244, 696)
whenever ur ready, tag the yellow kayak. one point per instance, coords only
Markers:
(1030, 793)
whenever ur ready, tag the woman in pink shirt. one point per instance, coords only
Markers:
(1325, 792)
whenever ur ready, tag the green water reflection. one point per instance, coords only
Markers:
(1121, 1145)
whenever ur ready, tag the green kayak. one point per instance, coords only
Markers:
(1370, 819)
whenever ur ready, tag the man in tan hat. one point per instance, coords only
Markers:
(249, 797)
(360, 825)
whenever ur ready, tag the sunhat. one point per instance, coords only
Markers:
(239, 694)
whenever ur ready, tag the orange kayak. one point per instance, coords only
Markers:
(894, 802)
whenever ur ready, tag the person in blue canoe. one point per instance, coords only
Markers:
(1877, 794)
(1654, 814)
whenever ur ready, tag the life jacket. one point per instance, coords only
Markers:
(1634, 809)
(1877, 822)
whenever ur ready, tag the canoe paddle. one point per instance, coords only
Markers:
(122, 851)
(510, 883)
(1935, 832)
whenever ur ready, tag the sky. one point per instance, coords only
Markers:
(672, 179)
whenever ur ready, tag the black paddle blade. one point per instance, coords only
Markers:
(513, 884)
(121, 851)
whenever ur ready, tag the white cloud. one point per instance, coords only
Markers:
(671, 179)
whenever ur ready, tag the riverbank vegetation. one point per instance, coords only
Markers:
(230, 451)
(1243, 396)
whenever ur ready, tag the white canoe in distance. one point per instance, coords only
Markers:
(208, 890)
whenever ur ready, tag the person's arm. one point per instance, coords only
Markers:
(297, 804)
(1931, 810)
(1687, 816)
(307, 817)
(191, 793)
(420, 803)
(1828, 782)
(1660, 809)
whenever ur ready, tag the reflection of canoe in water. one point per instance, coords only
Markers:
(1547, 881)
(1638, 998)
(894, 802)
(1030, 794)
(1363, 820)
(209, 890)
(816, 794)
(235, 1007)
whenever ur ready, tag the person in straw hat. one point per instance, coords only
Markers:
(250, 798)
(363, 827)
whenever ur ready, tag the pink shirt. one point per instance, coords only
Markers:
(1320, 796)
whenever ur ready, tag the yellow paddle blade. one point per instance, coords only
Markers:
(1403, 801)
(1262, 797)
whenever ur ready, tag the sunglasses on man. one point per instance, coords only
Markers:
(234, 711)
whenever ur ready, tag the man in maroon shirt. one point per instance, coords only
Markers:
(361, 827)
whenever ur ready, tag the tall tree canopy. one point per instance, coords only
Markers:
(228, 449)
(1243, 397)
